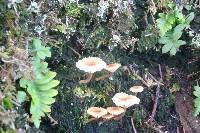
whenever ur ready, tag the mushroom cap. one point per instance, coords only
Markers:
(108, 116)
(136, 89)
(112, 67)
(97, 112)
(116, 110)
(124, 100)
(91, 64)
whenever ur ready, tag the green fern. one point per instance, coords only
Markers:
(171, 27)
(196, 92)
(171, 40)
(41, 87)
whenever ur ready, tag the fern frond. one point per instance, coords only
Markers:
(41, 88)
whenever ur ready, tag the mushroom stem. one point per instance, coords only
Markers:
(87, 80)
(109, 74)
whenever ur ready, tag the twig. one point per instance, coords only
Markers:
(160, 71)
(177, 130)
(54, 122)
(135, 131)
(151, 118)
(16, 103)
(154, 128)
(155, 78)
(79, 55)
(138, 77)
(155, 104)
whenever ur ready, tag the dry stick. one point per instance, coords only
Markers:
(157, 97)
(89, 77)
(135, 131)
(137, 76)
(109, 74)
(154, 128)
(154, 79)
(79, 55)
(54, 122)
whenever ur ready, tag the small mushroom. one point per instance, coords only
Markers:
(116, 110)
(136, 89)
(124, 100)
(97, 112)
(111, 68)
(90, 65)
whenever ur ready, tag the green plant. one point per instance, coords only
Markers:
(171, 40)
(196, 92)
(40, 88)
(171, 26)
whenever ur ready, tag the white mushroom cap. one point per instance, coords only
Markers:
(97, 112)
(136, 89)
(112, 67)
(124, 100)
(91, 64)
(116, 110)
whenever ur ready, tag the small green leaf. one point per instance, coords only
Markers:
(164, 40)
(179, 43)
(47, 78)
(171, 19)
(50, 85)
(24, 83)
(190, 17)
(196, 91)
(173, 51)
(161, 15)
(49, 93)
(44, 52)
(37, 43)
(166, 48)
(41, 51)
(21, 96)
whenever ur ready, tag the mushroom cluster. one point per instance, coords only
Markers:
(122, 102)
(111, 113)
(91, 65)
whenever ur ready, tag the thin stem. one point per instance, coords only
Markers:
(134, 129)
(109, 74)
(87, 80)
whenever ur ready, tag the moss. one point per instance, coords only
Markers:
(149, 39)
(165, 106)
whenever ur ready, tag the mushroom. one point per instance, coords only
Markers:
(108, 116)
(124, 100)
(136, 89)
(111, 68)
(116, 110)
(90, 65)
(97, 112)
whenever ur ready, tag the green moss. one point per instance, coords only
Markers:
(149, 39)
(165, 106)
(7, 103)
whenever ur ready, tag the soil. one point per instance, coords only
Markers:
(185, 107)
